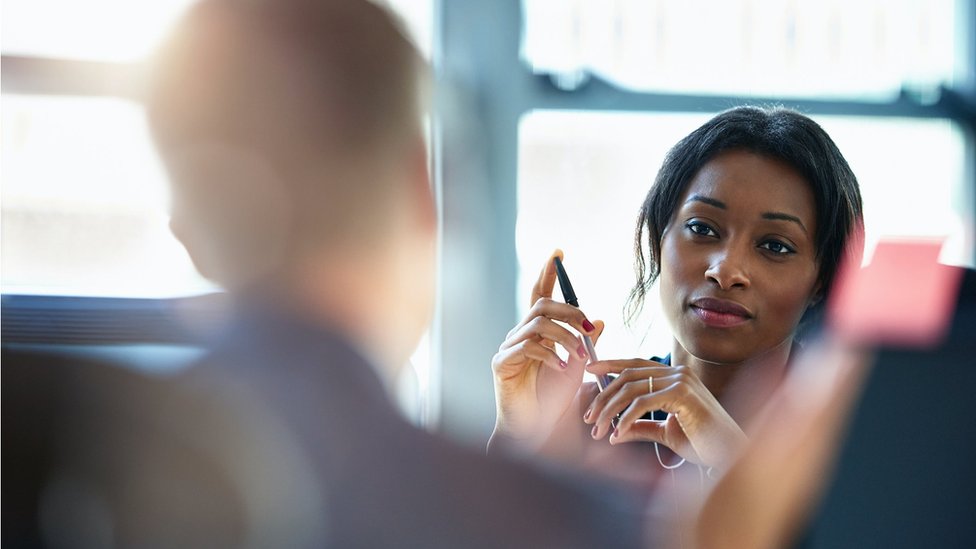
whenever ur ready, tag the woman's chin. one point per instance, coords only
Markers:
(730, 353)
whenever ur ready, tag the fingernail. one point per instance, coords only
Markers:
(596, 429)
(563, 365)
(586, 416)
(581, 351)
(588, 326)
(615, 433)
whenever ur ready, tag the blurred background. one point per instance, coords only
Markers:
(551, 118)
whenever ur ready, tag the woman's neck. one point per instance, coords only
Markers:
(741, 387)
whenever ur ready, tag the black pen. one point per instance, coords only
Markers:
(569, 295)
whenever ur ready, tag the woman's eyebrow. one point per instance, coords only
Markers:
(706, 200)
(776, 216)
(784, 217)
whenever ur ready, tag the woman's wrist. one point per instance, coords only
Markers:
(504, 442)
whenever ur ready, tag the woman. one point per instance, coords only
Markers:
(746, 224)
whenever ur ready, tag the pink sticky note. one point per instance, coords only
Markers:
(904, 296)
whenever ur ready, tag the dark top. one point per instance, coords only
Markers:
(659, 415)
(905, 474)
(283, 436)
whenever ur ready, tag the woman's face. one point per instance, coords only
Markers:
(738, 262)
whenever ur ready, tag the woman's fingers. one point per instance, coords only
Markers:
(660, 399)
(547, 278)
(557, 310)
(621, 397)
(618, 366)
(544, 330)
(524, 352)
(598, 326)
(602, 419)
(697, 428)
(633, 382)
(644, 430)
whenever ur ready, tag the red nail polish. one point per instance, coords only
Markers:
(581, 351)
(596, 429)
(588, 326)
(563, 365)
(586, 416)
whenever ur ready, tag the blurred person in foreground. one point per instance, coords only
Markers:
(292, 132)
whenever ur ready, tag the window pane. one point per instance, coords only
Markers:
(120, 30)
(818, 48)
(912, 179)
(583, 176)
(102, 30)
(84, 207)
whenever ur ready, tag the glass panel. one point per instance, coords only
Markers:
(102, 30)
(818, 48)
(912, 179)
(84, 204)
(583, 176)
(120, 30)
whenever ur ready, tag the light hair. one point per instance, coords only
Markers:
(323, 97)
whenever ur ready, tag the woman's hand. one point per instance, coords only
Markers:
(698, 428)
(534, 387)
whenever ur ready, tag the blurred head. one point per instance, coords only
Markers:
(708, 228)
(286, 126)
(292, 131)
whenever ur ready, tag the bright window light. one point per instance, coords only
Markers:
(818, 48)
(84, 202)
(99, 30)
(120, 30)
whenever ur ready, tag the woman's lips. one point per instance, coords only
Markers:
(720, 313)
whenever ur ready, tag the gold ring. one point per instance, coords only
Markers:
(650, 385)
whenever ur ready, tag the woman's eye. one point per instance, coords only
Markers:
(700, 228)
(777, 247)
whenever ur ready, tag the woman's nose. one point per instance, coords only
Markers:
(728, 269)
